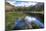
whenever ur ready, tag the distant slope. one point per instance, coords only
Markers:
(38, 7)
(9, 7)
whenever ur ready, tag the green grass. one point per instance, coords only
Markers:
(10, 19)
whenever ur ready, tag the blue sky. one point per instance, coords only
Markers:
(19, 3)
(23, 0)
(26, 4)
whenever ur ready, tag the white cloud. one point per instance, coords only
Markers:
(11, 2)
(26, 4)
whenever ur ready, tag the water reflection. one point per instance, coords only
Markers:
(27, 23)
